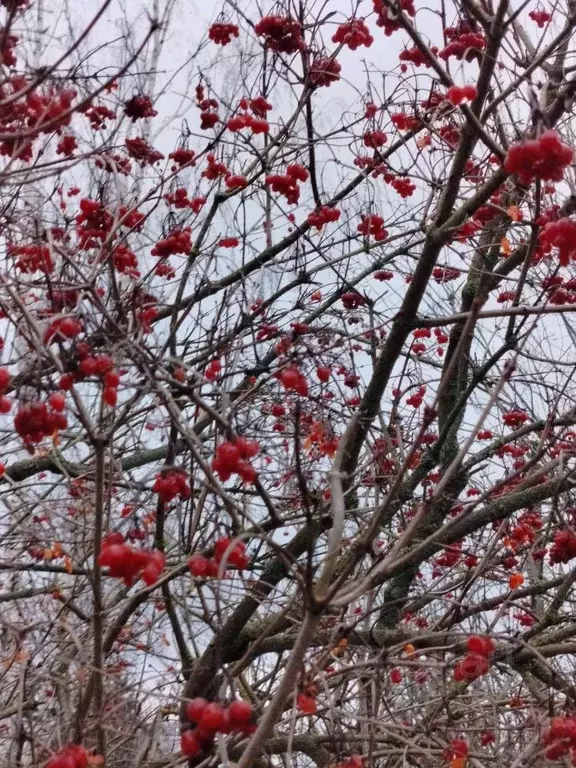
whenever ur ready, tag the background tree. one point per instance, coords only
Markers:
(287, 384)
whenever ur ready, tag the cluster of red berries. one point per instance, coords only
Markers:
(560, 234)
(564, 546)
(445, 274)
(543, 158)
(404, 122)
(525, 531)
(464, 43)
(416, 399)
(35, 421)
(61, 329)
(541, 17)
(182, 156)
(5, 404)
(323, 215)
(93, 224)
(67, 146)
(8, 43)
(98, 114)
(456, 752)
(229, 242)
(144, 153)
(232, 457)
(179, 198)
(514, 419)
(204, 567)
(352, 300)
(170, 483)
(457, 95)
(293, 380)
(125, 562)
(71, 756)
(353, 33)
(373, 225)
(416, 57)
(383, 274)
(324, 71)
(260, 106)
(281, 33)
(403, 186)
(213, 370)
(477, 661)
(222, 34)
(560, 738)
(374, 139)
(139, 107)
(256, 124)
(31, 258)
(125, 261)
(387, 18)
(211, 718)
(287, 184)
(178, 241)
(215, 169)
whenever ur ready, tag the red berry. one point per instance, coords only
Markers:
(189, 744)
(240, 713)
(195, 709)
(212, 718)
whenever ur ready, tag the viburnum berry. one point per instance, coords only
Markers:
(260, 106)
(144, 153)
(232, 457)
(222, 34)
(352, 300)
(374, 139)
(139, 107)
(465, 43)
(323, 215)
(514, 419)
(71, 756)
(543, 158)
(170, 483)
(353, 33)
(281, 33)
(240, 713)
(561, 235)
(416, 56)
(202, 567)
(34, 421)
(404, 122)
(564, 546)
(182, 156)
(395, 676)
(324, 71)
(387, 18)
(178, 241)
(480, 645)
(229, 242)
(190, 745)
(457, 748)
(471, 668)
(540, 16)
(457, 95)
(293, 380)
(237, 555)
(213, 370)
(127, 563)
(373, 225)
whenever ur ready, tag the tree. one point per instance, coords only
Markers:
(287, 384)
